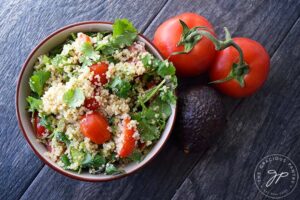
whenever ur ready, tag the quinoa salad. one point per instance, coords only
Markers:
(100, 100)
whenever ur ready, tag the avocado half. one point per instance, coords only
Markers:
(201, 118)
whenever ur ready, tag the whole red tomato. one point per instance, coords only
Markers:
(95, 127)
(257, 59)
(199, 59)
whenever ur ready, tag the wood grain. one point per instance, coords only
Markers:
(265, 21)
(23, 24)
(272, 127)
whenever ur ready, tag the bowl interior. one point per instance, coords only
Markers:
(23, 91)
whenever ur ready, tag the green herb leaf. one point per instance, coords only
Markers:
(34, 104)
(150, 93)
(161, 107)
(89, 54)
(64, 159)
(90, 161)
(58, 60)
(74, 97)
(110, 169)
(136, 156)
(147, 125)
(120, 87)
(77, 155)
(166, 68)
(98, 161)
(45, 60)
(147, 60)
(46, 121)
(62, 137)
(124, 33)
(168, 96)
(38, 80)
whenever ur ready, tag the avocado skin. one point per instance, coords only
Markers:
(201, 117)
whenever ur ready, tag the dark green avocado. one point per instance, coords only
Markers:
(201, 118)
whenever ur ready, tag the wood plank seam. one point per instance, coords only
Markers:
(240, 103)
(154, 17)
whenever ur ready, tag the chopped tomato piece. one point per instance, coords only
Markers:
(84, 38)
(91, 103)
(129, 141)
(95, 127)
(99, 70)
(39, 129)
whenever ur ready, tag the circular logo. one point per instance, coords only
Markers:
(276, 176)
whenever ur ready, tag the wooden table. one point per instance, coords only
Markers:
(263, 124)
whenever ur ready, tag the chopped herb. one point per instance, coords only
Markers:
(120, 87)
(46, 121)
(58, 60)
(38, 80)
(161, 107)
(110, 169)
(136, 156)
(89, 54)
(62, 137)
(165, 68)
(93, 161)
(142, 99)
(74, 97)
(168, 96)
(34, 103)
(124, 34)
(64, 159)
(77, 156)
(146, 125)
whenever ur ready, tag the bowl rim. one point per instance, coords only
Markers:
(41, 157)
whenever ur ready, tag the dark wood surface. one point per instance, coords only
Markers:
(266, 123)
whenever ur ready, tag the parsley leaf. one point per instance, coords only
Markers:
(64, 159)
(77, 155)
(89, 54)
(142, 99)
(58, 59)
(34, 104)
(120, 87)
(93, 161)
(46, 121)
(136, 156)
(147, 125)
(165, 68)
(38, 80)
(60, 136)
(74, 97)
(110, 169)
(161, 107)
(168, 96)
(124, 34)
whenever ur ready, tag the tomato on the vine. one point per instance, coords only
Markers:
(199, 51)
(253, 76)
